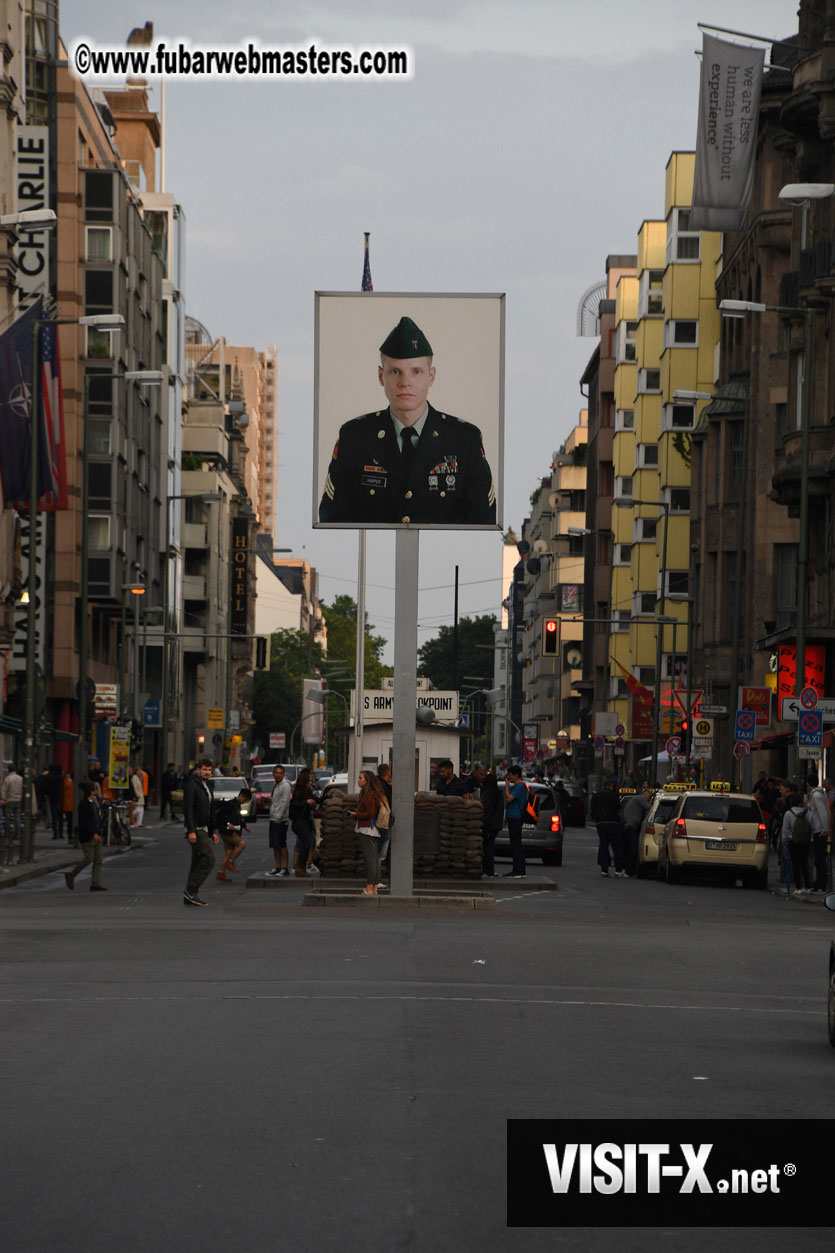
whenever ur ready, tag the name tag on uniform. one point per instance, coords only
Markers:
(373, 476)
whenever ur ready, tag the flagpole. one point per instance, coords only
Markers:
(356, 756)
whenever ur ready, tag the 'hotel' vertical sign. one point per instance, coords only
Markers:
(240, 577)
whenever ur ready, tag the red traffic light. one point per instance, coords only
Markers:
(550, 636)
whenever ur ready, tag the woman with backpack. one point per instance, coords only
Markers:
(372, 799)
(796, 838)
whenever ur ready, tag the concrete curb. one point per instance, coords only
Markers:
(464, 887)
(420, 900)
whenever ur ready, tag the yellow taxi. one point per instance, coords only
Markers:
(662, 805)
(719, 831)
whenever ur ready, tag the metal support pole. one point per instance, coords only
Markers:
(736, 610)
(355, 751)
(656, 718)
(405, 685)
(122, 657)
(28, 837)
(135, 658)
(803, 536)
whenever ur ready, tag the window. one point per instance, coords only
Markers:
(98, 533)
(99, 392)
(649, 380)
(622, 618)
(100, 484)
(785, 584)
(626, 341)
(681, 334)
(98, 576)
(679, 499)
(99, 435)
(576, 500)
(98, 342)
(646, 455)
(99, 243)
(645, 675)
(682, 243)
(623, 485)
(735, 458)
(678, 583)
(678, 417)
(98, 196)
(781, 419)
(623, 554)
(607, 474)
(649, 297)
(98, 291)
(625, 420)
(645, 529)
(643, 603)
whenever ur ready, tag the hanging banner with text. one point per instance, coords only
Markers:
(729, 101)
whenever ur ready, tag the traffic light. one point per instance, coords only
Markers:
(260, 652)
(550, 637)
(683, 731)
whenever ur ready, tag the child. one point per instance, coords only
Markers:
(229, 825)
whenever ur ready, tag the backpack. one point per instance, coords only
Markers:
(530, 807)
(383, 817)
(802, 830)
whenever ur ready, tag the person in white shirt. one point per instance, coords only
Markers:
(819, 819)
(279, 822)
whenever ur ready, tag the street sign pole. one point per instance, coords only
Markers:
(405, 685)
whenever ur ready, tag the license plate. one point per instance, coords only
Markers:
(721, 846)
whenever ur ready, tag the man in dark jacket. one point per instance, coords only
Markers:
(449, 784)
(606, 812)
(89, 837)
(197, 816)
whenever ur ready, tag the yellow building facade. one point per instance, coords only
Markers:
(667, 334)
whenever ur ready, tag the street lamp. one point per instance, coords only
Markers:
(103, 321)
(319, 696)
(136, 590)
(627, 502)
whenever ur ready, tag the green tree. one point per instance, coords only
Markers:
(277, 692)
(475, 642)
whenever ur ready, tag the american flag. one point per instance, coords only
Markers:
(367, 285)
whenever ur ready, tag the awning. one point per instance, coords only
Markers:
(781, 740)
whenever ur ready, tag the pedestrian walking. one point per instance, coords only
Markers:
(168, 784)
(279, 822)
(230, 825)
(796, 840)
(635, 809)
(89, 838)
(11, 795)
(819, 820)
(137, 795)
(369, 804)
(67, 804)
(384, 777)
(302, 805)
(197, 817)
(515, 801)
(605, 811)
(492, 816)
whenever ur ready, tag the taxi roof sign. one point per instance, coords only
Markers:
(720, 787)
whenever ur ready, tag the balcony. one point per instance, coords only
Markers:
(785, 482)
(194, 587)
(195, 535)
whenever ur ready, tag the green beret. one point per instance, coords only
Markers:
(405, 341)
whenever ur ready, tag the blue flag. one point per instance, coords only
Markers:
(15, 404)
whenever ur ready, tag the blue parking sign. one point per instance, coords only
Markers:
(745, 725)
(810, 729)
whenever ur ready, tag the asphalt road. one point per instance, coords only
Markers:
(262, 1075)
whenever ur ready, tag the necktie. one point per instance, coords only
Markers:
(407, 446)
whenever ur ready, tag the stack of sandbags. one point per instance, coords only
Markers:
(339, 851)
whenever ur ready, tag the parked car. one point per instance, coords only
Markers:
(338, 783)
(715, 831)
(576, 811)
(662, 805)
(223, 787)
(542, 838)
(829, 902)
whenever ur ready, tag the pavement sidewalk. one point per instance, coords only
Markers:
(50, 855)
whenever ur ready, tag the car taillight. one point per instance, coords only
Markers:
(650, 828)
(762, 833)
(680, 829)
(555, 822)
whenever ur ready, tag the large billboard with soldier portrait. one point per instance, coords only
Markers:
(409, 410)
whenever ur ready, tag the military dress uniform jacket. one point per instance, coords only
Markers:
(448, 482)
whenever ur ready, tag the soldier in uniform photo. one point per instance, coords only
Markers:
(409, 462)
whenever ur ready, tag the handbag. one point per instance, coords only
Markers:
(300, 828)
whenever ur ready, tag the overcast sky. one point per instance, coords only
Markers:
(530, 144)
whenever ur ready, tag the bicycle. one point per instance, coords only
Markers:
(117, 831)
